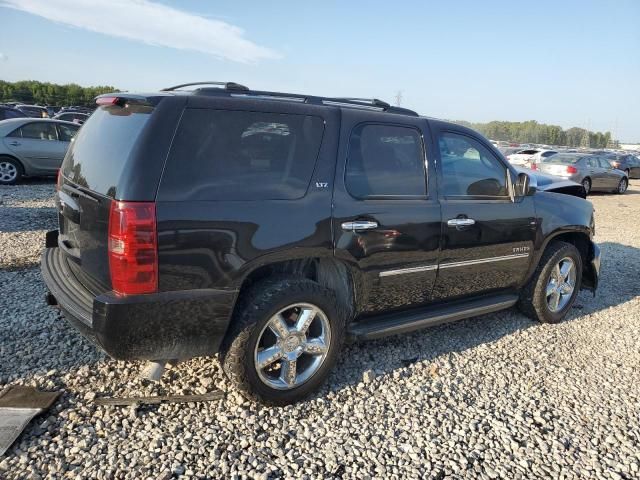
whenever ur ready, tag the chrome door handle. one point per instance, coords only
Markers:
(14, 143)
(359, 225)
(461, 222)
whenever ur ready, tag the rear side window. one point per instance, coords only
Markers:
(469, 168)
(241, 155)
(40, 131)
(99, 152)
(385, 160)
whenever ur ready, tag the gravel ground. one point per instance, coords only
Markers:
(492, 397)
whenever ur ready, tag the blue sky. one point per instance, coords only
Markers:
(569, 62)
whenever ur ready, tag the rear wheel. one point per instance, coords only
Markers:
(622, 186)
(284, 341)
(11, 171)
(555, 284)
(586, 184)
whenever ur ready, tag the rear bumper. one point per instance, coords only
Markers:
(159, 326)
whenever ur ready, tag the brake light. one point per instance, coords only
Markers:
(108, 100)
(571, 169)
(133, 252)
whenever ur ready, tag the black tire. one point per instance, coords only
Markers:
(19, 170)
(586, 184)
(533, 298)
(622, 186)
(254, 311)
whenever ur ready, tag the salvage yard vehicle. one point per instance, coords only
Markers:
(271, 227)
(32, 147)
(593, 171)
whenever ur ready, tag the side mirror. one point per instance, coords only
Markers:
(526, 185)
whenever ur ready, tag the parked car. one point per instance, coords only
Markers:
(75, 117)
(593, 171)
(528, 157)
(7, 112)
(271, 227)
(629, 164)
(32, 147)
(33, 111)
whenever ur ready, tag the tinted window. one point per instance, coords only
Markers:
(385, 160)
(67, 132)
(237, 155)
(40, 131)
(603, 163)
(97, 156)
(566, 158)
(469, 168)
(547, 154)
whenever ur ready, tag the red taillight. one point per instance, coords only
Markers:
(534, 166)
(108, 100)
(572, 170)
(133, 252)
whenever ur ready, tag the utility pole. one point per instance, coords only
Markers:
(398, 98)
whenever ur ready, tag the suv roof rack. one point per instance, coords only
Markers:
(227, 86)
(237, 90)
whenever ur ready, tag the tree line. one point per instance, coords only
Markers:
(44, 93)
(534, 132)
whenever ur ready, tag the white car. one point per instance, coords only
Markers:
(529, 157)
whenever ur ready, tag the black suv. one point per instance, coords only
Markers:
(270, 227)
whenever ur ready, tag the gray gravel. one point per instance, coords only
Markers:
(493, 397)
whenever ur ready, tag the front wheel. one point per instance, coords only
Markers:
(622, 186)
(284, 341)
(555, 284)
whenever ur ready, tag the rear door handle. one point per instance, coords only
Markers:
(14, 143)
(359, 225)
(461, 222)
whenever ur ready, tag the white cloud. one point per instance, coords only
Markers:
(151, 23)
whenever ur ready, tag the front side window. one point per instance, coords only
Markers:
(385, 160)
(469, 168)
(67, 132)
(40, 131)
(242, 155)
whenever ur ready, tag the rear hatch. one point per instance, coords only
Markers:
(89, 183)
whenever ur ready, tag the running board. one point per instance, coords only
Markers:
(403, 322)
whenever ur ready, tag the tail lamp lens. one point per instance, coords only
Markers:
(572, 170)
(133, 248)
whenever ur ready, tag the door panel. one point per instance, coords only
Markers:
(394, 260)
(38, 147)
(487, 239)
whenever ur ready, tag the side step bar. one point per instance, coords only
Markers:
(403, 322)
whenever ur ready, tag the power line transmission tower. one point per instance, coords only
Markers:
(398, 98)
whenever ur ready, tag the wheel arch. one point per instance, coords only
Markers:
(16, 159)
(579, 237)
(327, 271)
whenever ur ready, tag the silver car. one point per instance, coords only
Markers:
(593, 171)
(32, 147)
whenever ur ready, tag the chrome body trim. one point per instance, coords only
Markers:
(426, 268)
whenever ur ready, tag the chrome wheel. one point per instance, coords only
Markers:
(586, 184)
(561, 285)
(8, 172)
(292, 346)
(622, 186)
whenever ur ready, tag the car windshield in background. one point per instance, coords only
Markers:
(102, 147)
(562, 158)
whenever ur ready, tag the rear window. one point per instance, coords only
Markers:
(562, 158)
(239, 155)
(100, 150)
